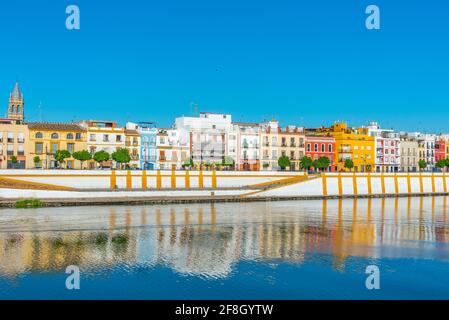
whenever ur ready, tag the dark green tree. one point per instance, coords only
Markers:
(422, 164)
(306, 163)
(101, 156)
(36, 161)
(441, 164)
(61, 155)
(349, 164)
(82, 156)
(121, 156)
(283, 162)
(324, 163)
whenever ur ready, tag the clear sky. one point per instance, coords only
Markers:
(303, 62)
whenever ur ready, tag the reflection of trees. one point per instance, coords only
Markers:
(207, 240)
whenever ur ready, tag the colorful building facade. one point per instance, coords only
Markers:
(317, 146)
(46, 138)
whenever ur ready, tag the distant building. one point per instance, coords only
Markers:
(46, 138)
(148, 152)
(244, 146)
(409, 152)
(105, 136)
(387, 148)
(16, 107)
(132, 144)
(205, 136)
(170, 152)
(317, 146)
(440, 149)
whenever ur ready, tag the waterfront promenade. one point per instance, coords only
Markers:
(57, 188)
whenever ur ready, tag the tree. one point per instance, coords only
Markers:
(447, 163)
(36, 161)
(101, 156)
(283, 162)
(441, 164)
(316, 164)
(121, 156)
(265, 165)
(306, 163)
(349, 164)
(14, 161)
(82, 156)
(324, 162)
(422, 164)
(188, 163)
(228, 162)
(61, 155)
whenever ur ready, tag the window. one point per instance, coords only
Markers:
(69, 136)
(70, 147)
(21, 137)
(54, 136)
(78, 136)
(18, 109)
(1, 136)
(10, 137)
(308, 147)
(92, 137)
(10, 149)
(329, 148)
(106, 138)
(323, 147)
(20, 150)
(315, 147)
(54, 148)
(38, 148)
(118, 138)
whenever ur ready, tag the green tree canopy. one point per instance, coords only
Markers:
(324, 162)
(36, 160)
(283, 162)
(61, 155)
(101, 156)
(82, 156)
(422, 164)
(305, 163)
(441, 163)
(14, 159)
(349, 164)
(121, 156)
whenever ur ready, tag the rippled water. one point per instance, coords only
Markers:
(288, 250)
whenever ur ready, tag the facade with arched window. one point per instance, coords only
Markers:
(318, 146)
(45, 139)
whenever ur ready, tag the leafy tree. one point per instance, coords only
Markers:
(316, 164)
(228, 162)
(422, 164)
(36, 161)
(101, 156)
(14, 159)
(447, 163)
(349, 164)
(265, 165)
(82, 156)
(189, 163)
(306, 163)
(324, 162)
(284, 162)
(61, 155)
(121, 156)
(441, 164)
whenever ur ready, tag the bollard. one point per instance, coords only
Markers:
(173, 178)
(128, 180)
(200, 179)
(187, 180)
(113, 180)
(324, 183)
(144, 179)
(158, 180)
(354, 183)
(214, 179)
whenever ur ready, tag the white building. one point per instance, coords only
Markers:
(387, 148)
(170, 151)
(206, 136)
(246, 146)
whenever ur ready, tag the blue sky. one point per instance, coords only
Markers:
(302, 62)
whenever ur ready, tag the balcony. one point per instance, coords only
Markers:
(10, 140)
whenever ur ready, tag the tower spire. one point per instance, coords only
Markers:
(16, 104)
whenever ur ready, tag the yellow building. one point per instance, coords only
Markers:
(352, 143)
(47, 138)
(13, 145)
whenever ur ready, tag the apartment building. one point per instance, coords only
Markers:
(352, 143)
(387, 148)
(205, 136)
(132, 144)
(14, 152)
(170, 152)
(409, 153)
(103, 136)
(291, 141)
(269, 149)
(244, 146)
(317, 146)
(46, 138)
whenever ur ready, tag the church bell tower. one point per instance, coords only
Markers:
(16, 105)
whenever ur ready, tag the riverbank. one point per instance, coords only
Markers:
(213, 197)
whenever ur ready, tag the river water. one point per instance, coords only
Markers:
(261, 250)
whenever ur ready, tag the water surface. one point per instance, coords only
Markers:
(262, 250)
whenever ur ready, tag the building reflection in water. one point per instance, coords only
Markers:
(207, 240)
